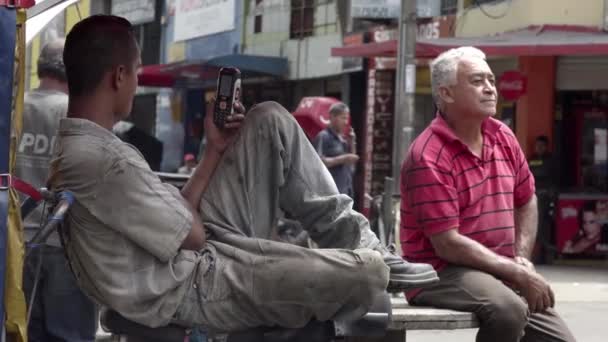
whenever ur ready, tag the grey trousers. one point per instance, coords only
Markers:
(246, 279)
(503, 314)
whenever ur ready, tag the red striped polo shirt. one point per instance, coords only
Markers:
(445, 186)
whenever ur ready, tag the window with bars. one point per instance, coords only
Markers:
(449, 7)
(302, 18)
(257, 23)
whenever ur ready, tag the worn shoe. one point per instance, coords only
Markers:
(405, 275)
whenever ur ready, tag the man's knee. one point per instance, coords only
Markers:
(507, 311)
(268, 112)
(373, 273)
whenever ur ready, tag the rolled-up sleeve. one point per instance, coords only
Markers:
(132, 200)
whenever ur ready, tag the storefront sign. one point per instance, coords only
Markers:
(379, 117)
(436, 27)
(351, 64)
(199, 18)
(512, 85)
(135, 11)
(375, 8)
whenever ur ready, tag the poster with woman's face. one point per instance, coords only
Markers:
(582, 226)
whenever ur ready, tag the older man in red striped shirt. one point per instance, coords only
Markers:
(468, 208)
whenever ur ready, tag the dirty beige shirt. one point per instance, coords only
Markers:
(124, 231)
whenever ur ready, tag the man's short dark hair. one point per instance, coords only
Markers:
(543, 138)
(338, 108)
(50, 62)
(94, 46)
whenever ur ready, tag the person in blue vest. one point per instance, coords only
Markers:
(336, 150)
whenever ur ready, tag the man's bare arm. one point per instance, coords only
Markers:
(457, 249)
(193, 192)
(526, 225)
(348, 158)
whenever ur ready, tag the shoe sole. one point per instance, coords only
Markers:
(400, 282)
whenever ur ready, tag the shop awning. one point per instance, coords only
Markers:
(547, 40)
(40, 15)
(196, 72)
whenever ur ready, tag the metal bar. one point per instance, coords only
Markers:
(403, 131)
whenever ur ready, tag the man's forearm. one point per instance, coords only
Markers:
(197, 184)
(526, 225)
(461, 250)
(332, 161)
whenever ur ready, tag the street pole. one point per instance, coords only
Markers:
(403, 129)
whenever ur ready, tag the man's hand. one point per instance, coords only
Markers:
(535, 289)
(525, 262)
(219, 139)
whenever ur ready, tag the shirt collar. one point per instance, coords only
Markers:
(68, 126)
(489, 128)
(334, 134)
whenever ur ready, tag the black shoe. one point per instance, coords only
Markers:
(405, 275)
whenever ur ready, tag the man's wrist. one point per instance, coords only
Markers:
(212, 152)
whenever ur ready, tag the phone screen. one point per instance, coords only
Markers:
(226, 85)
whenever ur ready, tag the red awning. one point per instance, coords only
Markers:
(154, 76)
(547, 40)
(166, 75)
(194, 72)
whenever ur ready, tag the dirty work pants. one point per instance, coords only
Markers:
(503, 314)
(245, 279)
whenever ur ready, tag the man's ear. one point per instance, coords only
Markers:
(445, 93)
(118, 77)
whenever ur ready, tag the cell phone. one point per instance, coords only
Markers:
(227, 93)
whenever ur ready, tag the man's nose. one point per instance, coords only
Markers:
(489, 88)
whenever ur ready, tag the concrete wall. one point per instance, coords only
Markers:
(517, 14)
(309, 57)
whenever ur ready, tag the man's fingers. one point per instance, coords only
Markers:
(232, 125)
(552, 297)
(235, 118)
(239, 108)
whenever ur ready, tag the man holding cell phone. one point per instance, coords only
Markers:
(204, 256)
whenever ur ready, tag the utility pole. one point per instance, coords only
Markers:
(403, 130)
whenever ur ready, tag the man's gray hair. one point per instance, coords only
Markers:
(338, 108)
(444, 68)
(50, 62)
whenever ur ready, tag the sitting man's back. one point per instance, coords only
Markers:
(124, 240)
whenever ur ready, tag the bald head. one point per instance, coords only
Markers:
(50, 62)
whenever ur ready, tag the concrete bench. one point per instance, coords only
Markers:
(406, 317)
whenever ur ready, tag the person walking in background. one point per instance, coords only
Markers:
(546, 176)
(338, 152)
(189, 165)
(52, 318)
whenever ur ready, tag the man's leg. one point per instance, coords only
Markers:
(70, 315)
(36, 328)
(547, 327)
(269, 283)
(272, 166)
(244, 281)
(503, 315)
